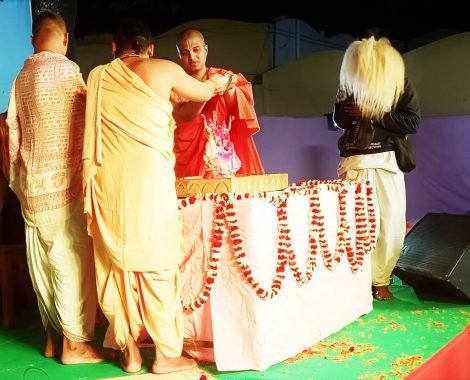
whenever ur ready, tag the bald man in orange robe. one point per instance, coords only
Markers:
(236, 102)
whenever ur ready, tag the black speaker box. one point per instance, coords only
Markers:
(435, 259)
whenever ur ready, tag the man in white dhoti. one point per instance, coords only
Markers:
(46, 126)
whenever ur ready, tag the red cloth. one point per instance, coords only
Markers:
(190, 140)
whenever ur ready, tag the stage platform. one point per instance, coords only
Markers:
(394, 339)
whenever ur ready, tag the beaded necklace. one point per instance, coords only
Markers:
(129, 55)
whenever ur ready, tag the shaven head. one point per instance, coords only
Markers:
(132, 35)
(49, 33)
(192, 50)
(187, 34)
(373, 74)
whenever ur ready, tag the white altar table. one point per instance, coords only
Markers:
(265, 317)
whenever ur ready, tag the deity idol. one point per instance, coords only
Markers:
(220, 158)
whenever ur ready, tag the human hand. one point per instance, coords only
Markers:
(220, 81)
(233, 81)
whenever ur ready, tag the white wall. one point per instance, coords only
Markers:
(441, 74)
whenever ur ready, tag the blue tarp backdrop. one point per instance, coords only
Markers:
(15, 43)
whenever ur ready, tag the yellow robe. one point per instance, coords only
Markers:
(131, 205)
(130, 195)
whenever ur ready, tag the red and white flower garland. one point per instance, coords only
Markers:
(215, 254)
(240, 257)
(225, 220)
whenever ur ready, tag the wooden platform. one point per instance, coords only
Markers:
(189, 186)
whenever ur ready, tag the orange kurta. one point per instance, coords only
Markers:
(190, 140)
(130, 195)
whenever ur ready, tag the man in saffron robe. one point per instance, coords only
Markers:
(130, 196)
(46, 120)
(236, 103)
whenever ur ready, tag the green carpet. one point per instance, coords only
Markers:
(388, 343)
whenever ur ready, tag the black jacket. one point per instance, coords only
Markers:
(403, 120)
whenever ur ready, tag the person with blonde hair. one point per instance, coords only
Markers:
(374, 104)
(130, 195)
(46, 122)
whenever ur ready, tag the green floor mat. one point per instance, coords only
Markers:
(388, 343)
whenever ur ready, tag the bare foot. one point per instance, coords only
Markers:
(132, 361)
(382, 293)
(80, 353)
(53, 344)
(165, 364)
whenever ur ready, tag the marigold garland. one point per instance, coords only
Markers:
(225, 222)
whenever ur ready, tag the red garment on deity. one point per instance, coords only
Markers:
(190, 140)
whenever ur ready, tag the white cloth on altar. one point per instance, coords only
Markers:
(251, 333)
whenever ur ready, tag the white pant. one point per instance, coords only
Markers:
(61, 266)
